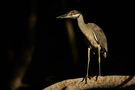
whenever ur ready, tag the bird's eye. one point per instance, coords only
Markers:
(71, 14)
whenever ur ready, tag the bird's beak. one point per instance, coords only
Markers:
(62, 16)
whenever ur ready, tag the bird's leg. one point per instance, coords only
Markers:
(85, 78)
(99, 61)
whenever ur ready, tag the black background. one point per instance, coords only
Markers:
(52, 59)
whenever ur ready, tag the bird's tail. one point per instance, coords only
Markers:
(105, 54)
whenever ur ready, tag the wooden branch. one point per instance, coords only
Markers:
(114, 81)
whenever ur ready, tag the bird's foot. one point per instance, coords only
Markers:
(96, 77)
(85, 79)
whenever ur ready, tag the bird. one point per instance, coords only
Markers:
(94, 35)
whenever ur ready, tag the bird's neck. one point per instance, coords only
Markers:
(82, 24)
(80, 20)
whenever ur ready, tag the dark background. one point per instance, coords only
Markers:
(52, 60)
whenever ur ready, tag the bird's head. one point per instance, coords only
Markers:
(74, 14)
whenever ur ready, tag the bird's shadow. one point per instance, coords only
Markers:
(125, 82)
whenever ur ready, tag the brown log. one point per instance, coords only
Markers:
(113, 81)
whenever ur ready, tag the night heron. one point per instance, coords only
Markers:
(94, 35)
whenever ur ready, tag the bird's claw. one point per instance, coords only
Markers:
(85, 79)
(96, 78)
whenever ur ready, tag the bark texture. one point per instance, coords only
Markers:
(114, 81)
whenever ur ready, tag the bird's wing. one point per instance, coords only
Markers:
(98, 35)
